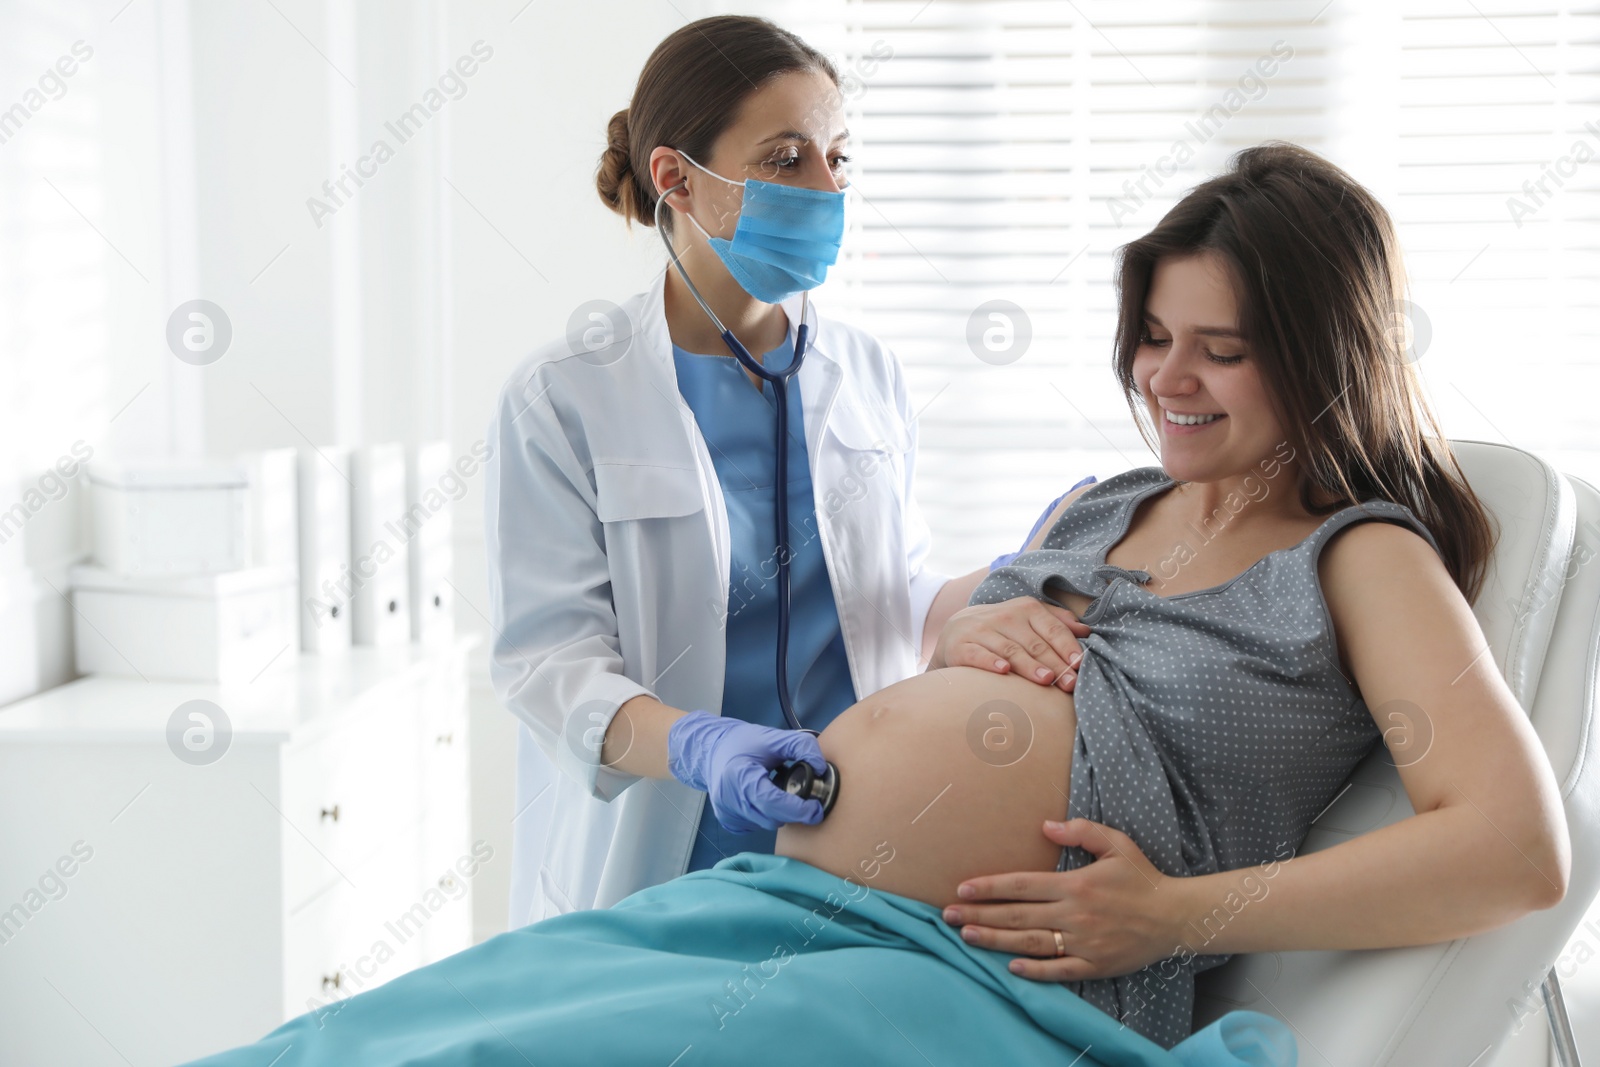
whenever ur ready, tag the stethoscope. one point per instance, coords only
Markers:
(797, 778)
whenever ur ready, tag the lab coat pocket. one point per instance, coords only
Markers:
(869, 429)
(551, 900)
(873, 457)
(626, 491)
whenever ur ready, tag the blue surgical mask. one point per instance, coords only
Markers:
(786, 239)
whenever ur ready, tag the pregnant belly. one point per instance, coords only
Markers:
(943, 776)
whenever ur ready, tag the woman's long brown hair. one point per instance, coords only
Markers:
(1321, 291)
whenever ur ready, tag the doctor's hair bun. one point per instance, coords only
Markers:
(618, 184)
(689, 92)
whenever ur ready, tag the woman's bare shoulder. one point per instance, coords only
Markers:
(1370, 564)
(1362, 549)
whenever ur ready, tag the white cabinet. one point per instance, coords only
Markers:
(156, 907)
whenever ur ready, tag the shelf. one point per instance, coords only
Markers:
(289, 701)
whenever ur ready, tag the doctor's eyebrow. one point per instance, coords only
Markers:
(1209, 331)
(796, 135)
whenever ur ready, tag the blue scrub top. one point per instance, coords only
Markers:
(739, 425)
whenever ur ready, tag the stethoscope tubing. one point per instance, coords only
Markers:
(780, 387)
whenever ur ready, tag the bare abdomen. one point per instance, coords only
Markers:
(943, 776)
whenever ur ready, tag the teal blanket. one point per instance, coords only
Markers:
(751, 961)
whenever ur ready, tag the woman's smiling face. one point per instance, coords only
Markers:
(1193, 361)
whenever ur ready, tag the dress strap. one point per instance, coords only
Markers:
(1376, 508)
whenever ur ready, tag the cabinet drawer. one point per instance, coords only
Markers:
(446, 779)
(347, 794)
(452, 869)
(358, 934)
(446, 774)
(443, 698)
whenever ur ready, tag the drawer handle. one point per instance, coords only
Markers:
(444, 739)
(438, 601)
(331, 813)
(394, 606)
(447, 882)
(335, 981)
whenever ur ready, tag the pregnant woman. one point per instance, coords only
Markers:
(1299, 568)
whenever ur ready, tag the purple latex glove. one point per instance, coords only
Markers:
(729, 760)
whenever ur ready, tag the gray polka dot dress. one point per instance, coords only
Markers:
(1213, 726)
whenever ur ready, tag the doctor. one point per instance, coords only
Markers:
(630, 497)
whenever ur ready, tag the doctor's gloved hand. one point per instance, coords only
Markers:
(729, 760)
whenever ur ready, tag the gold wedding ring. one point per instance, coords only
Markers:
(1061, 943)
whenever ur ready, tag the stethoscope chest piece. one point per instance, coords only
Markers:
(802, 781)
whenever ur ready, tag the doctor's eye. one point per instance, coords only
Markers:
(1146, 339)
(840, 160)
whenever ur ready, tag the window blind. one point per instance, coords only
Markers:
(1005, 148)
(53, 292)
(1002, 152)
(1497, 129)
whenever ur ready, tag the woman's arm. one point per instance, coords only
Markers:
(636, 738)
(957, 592)
(1488, 842)
(554, 661)
(1022, 636)
(951, 598)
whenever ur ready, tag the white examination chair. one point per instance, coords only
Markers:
(1453, 1004)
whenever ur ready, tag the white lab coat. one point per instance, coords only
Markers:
(608, 554)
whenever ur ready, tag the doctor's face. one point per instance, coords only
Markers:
(790, 131)
(1192, 360)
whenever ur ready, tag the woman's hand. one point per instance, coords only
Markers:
(1116, 915)
(1039, 641)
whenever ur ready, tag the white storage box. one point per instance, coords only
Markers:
(222, 627)
(432, 488)
(20, 674)
(169, 516)
(274, 506)
(378, 557)
(325, 581)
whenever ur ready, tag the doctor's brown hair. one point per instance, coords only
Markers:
(689, 91)
(1320, 286)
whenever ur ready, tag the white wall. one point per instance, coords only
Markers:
(530, 241)
(189, 147)
(178, 164)
(91, 260)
